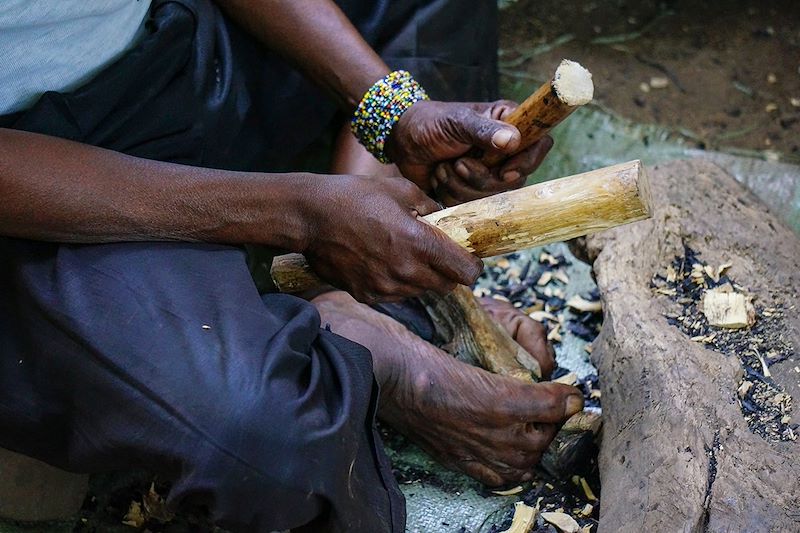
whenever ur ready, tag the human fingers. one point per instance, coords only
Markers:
(448, 258)
(527, 161)
(497, 110)
(542, 403)
(477, 129)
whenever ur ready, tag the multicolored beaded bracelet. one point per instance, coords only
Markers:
(380, 109)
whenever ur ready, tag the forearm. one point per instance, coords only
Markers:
(58, 190)
(317, 37)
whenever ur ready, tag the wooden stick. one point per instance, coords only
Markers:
(472, 336)
(548, 212)
(570, 88)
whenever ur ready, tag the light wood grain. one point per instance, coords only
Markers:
(548, 212)
(545, 108)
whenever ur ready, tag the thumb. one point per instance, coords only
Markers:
(553, 402)
(489, 134)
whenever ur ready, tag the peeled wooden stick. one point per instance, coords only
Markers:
(475, 338)
(570, 88)
(552, 211)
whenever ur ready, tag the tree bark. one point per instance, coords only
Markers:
(677, 453)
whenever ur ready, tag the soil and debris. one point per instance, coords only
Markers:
(752, 332)
(733, 64)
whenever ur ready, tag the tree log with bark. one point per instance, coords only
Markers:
(698, 431)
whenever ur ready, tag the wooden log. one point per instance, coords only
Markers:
(552, 211)
(678, 453)
(569, 88)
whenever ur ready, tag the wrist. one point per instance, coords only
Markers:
(382, 107)
(268, 209)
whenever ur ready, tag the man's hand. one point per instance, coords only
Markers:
(366, 238)
(434, 144)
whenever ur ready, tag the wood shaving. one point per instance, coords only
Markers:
(564, 522)
(586, 306)
(567, 379)
(508, 492)
(524, 519)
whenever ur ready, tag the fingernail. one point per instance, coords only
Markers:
(441, 174)
(461, 169)
(574, 405)
(501, 138)
(511, 175)
(527, 476)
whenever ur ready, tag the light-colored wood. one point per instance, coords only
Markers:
(554, 101)
(548, 212)
(726, 308)
(474, 337)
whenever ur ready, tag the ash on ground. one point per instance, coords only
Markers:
(764, 403)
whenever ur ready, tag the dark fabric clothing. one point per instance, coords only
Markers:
(164, 355)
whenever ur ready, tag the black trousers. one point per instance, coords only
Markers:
(164, 355)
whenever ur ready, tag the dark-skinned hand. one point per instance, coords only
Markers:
(366, 238)
(434, 143)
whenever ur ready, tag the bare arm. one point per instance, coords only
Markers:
(318, 38)
(58, 190)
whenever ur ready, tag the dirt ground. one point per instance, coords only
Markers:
(731, 68)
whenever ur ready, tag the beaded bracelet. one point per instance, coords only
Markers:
(380, 109)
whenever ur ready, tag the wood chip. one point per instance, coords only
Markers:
(561, 276)
(727, 309)
(545, 279)
(554, 335)
(544, 257)
(587, 510)
(564, 522)
(587, 490)
(509, 492)
(584, 306)
(671, 274)
(134, 517)
(567, 379)
(658, 82)
(744, 388)
(524, 519)
(541, 316)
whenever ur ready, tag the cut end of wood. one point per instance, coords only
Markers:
(573, 83)
(726, 308)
